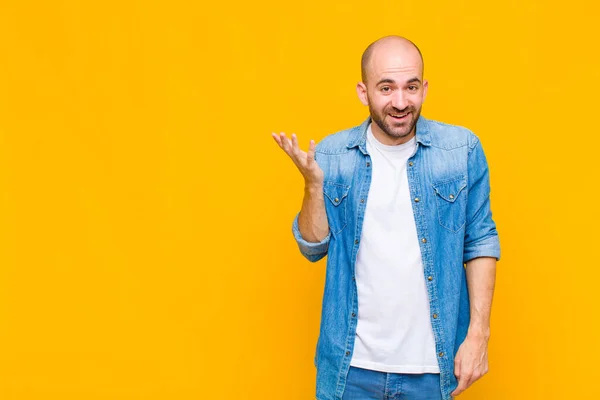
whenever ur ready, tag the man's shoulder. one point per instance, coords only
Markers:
(336, 143)
(450, 136)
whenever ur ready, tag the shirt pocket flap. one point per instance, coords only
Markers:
(450, 189)
(335, 192)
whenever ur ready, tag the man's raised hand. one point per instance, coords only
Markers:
(305, 161)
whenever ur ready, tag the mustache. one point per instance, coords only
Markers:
(400, 111)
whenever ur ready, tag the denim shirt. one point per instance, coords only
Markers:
(448, 180)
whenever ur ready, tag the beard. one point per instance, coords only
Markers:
(395, 129)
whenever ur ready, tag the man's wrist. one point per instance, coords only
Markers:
(479, 332)
(313, 188)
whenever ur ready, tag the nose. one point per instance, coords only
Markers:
(399, 100)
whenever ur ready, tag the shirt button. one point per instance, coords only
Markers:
(336, 200)
(435, 316)
(441, 354)
(356, 241)
(410, 164)
(353, 278)
(424, 240)
(353, 314)
(429, 278)
(347, 353)
(362, 200)
(368, 164)
(416, 199)
(451, 196)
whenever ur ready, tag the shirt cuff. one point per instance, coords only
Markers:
(310, 248)
(489, 247)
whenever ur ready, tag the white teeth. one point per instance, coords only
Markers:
(399, 116)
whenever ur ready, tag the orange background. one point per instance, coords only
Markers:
(145, 217)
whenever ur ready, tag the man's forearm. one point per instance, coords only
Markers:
(312, 221)
(481, 277)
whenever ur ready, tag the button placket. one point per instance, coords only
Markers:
(417, 199)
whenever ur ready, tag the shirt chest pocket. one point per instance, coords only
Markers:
(336, 205)
(451, 202)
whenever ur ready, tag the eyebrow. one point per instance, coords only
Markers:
(388, 80)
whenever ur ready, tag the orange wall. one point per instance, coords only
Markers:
(145, 216)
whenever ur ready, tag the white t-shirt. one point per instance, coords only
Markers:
(394, 332)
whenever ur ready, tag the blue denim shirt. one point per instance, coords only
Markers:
(448, 174)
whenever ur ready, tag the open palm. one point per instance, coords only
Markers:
(304, 161)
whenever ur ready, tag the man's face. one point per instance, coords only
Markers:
(394, 92)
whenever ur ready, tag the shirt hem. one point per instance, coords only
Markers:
(398, 369)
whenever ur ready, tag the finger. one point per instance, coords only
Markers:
(470, 381)
(457, 373)
(277, 139)
(287, 147)
(459, 389)
(285, 142)
(311, 152)
(476, 376)
(463, 383)
(295, 147)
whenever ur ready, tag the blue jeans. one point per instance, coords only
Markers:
(365, 384)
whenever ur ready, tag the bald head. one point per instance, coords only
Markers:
(388, 45)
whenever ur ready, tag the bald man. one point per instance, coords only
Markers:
(400, 205)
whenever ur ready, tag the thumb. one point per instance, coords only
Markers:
(311, 152)
(457, 368)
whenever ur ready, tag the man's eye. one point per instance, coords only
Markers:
(412, 87)
(385, 89)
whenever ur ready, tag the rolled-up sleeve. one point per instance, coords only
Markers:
(481, 236)
(312, 251)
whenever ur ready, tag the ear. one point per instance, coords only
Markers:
(361, 90)
(425, 86)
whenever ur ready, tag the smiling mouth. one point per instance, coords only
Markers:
(399, 116)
